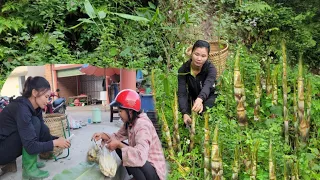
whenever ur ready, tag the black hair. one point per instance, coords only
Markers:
(131, 120)
(37, 83)
(201, 44)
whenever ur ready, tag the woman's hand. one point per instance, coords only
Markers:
(186, 119)
(113, 144)
(98, 136)
(198, 106)
(61, 142)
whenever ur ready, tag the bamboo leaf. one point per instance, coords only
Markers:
(89, 9)
(131, 17)
(82, 171)
(151, 5)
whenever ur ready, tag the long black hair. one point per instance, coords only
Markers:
(201, 44)
(37, 83)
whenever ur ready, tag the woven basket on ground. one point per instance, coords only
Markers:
(218, 55)
(57, 124)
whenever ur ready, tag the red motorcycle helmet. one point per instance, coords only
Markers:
(127, 99)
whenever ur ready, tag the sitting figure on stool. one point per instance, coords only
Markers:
(23, 132)
(143, 156)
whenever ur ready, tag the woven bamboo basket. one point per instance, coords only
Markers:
(57, 124)
(218, 55)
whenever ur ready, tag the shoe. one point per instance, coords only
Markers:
(40, 164)
(29, 167)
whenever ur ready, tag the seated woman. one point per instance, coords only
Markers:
(143, 156)
(22, 129)
(196, 82)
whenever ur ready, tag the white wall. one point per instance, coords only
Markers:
(12, 85)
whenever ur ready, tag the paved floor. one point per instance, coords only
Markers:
(79, 147)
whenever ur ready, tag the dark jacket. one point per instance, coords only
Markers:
(17, 117)
(202, 86)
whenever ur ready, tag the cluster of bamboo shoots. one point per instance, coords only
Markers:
(239, 92)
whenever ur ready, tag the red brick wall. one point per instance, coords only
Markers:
(67, 86)
(48, 74)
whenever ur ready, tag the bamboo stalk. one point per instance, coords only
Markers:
(206, 147)
(193, 129)
(176, 136)
(241, 114)
(216, 161)
(275, 87)
(272, 171)
(237, 78)
(303, 126)
(257, 94)
(308, 102)
(295, 171)
(254, 156)
(268, 81)
(236, 165)
(285, 93)
(167, 134)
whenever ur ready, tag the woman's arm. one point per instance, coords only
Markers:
(27, 132)
(138, 155)
(208, 83)
(182, 91)
(122, 134)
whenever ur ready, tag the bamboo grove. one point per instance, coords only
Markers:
(198, 151)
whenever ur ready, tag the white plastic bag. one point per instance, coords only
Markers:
(108, 162)
(93, 152)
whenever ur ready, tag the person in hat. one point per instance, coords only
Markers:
(23, 132)
(196, 82)
(143, 157)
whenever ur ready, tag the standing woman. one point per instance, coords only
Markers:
(22, 129)
(196, 82)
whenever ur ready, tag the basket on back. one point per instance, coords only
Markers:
(57, 124)
(218, 55)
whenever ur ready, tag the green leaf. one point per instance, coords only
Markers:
(101, 14)
(131, 17)
(89, 9)
(82, 171)
(151, 5)
(126, 52)
(113, 51)
(166, 85)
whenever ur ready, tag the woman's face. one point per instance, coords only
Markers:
(199, 56)
(123, 115)
(41, 98)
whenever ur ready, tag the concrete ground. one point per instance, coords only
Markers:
(80, 144)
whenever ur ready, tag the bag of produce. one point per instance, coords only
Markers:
(108, 162)
(93, 153)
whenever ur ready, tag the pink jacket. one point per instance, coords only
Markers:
(144, 145)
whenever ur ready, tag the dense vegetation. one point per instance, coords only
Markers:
(154, 35)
